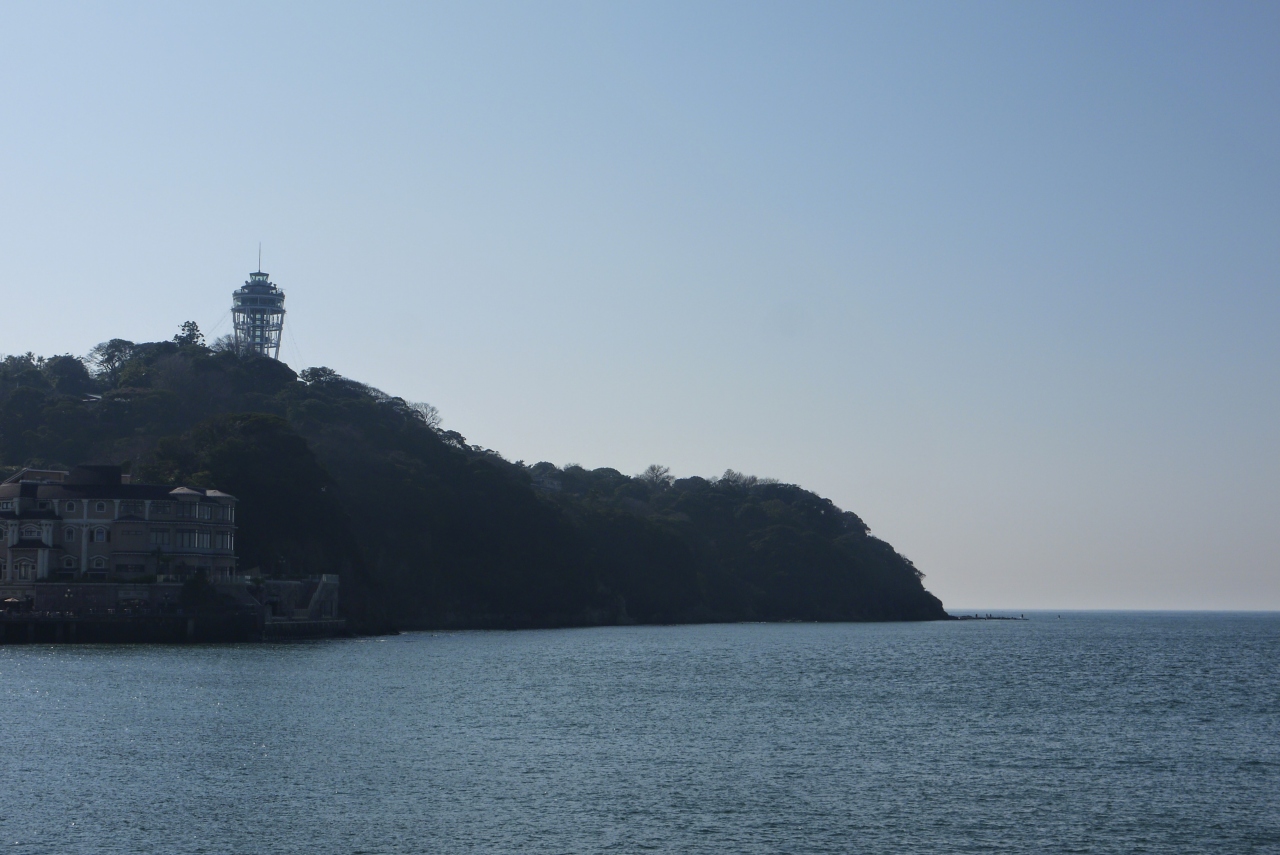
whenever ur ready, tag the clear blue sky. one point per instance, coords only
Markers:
(1001, 278)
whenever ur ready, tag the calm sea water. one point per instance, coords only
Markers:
(1089, 733)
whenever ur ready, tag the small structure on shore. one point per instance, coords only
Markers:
(87, 555)
(93, 524)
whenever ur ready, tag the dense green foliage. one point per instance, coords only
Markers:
(428, 531)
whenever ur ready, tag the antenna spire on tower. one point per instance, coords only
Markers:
(259, 256)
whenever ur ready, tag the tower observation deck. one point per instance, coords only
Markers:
(257, 312)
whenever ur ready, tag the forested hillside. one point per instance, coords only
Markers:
(428, 531)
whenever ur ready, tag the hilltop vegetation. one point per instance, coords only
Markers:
(428, 531)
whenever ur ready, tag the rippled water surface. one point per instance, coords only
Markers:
(1089, 733)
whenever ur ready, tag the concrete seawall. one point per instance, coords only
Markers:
(159, 629)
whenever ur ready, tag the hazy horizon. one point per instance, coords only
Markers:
(1001, 279)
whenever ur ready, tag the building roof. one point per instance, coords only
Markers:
(40, 475)
(97, 482)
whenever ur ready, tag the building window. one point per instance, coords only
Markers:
(134, 509)
(69, 534)
(224, 540)
(99, 563)
(195, 511)
(30, 532)
(191, 539)
(69, 563)
(159, 537)
(99, 535)
(6, 506)
(162, 507)
(25, 569)
(44, 506)
(101, 507)
(69, 506)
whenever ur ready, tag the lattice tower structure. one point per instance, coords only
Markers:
(257, 312)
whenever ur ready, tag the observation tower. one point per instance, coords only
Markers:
(257, 312)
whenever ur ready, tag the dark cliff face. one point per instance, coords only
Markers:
(428, 531)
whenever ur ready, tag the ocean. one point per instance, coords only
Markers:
(1089, 732)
